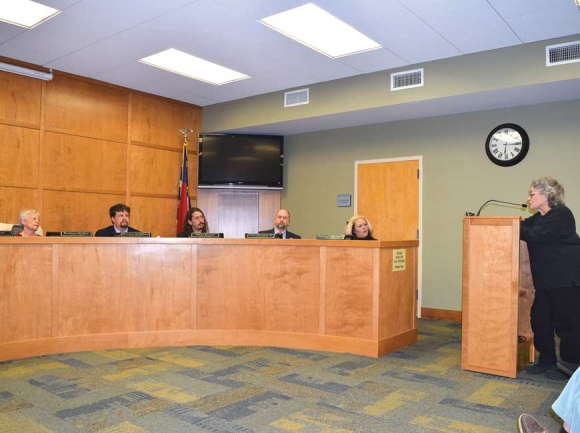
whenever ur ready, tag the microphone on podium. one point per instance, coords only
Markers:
(523, 205)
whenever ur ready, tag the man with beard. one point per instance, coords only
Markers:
(119, 214)
(281, 224)
(194, 223)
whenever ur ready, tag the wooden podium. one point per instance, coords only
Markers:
(497, 296)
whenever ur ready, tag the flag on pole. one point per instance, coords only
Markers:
(184, 203)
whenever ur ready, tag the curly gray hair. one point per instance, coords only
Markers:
(549, 186)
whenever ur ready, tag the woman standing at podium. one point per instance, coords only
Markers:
(554, 248)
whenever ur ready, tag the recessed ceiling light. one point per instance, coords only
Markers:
(173, 60)
(317, 29)
(25, 13)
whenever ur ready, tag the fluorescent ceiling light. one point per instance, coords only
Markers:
(7, 67)
(317, 29)
(25, 13)
(173, 60)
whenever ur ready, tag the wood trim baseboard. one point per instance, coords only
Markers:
(437, 314)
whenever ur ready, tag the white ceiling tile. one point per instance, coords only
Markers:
(9, 31)
(520, 8)
(132, 74)
(81, 25)
(425, 50)
(469, 25)
(59, 4)
(197, 100)
(167, 88)
(546, 25)
(373, 61)
(258, 9)
(384, 21)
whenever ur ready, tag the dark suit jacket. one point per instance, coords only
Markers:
(289, 235)
(110, 232)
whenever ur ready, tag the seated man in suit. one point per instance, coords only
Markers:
(119, 214)
(281, 224)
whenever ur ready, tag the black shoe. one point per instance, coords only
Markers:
(539, 368)
(556, 375)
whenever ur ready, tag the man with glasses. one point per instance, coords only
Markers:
(119, 215)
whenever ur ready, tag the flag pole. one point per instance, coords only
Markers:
(183, 203)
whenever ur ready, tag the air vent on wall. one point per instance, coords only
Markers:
(563, 53)
(296, 97)
(407, 79)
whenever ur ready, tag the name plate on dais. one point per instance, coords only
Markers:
(70, 234)
(5, 233)
(332, 237)
(135, 234)
(206, 235)
(260, 236)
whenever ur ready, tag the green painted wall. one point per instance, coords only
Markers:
(511, 67)
(457, 177)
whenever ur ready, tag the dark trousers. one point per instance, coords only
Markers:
(557, 310)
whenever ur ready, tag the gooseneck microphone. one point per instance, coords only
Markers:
(499, 201)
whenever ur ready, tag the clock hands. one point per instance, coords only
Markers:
(507, 144)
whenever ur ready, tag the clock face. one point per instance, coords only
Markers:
(507, 145)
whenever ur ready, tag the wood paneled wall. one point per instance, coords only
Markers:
(72, 147)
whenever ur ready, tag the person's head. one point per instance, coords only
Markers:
(195, 221)
(545, 193)
(359, 227)
(120, 214)
(282, 220)
(30, 221)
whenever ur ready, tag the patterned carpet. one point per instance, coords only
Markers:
(245, 389)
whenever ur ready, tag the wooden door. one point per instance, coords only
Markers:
(387, 194)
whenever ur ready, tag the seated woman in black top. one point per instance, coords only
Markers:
(194, 223)
(360, 228)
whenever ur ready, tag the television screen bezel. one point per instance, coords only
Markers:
(238, 185)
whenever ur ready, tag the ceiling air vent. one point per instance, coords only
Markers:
(296, 97)
(407, 79)
(563, 53)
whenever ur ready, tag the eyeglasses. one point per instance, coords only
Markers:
(533, 194)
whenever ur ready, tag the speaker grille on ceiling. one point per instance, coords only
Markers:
(407, 79)
(296, 97)
(563, 53)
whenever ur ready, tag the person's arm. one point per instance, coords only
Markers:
(549, 227)
(527, 222)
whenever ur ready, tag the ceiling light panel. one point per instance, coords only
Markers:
(25, 13)
(176, 61)
(317, 29)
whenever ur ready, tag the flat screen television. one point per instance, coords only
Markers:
(240, 161)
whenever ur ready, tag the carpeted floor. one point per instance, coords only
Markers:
(246, 389)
